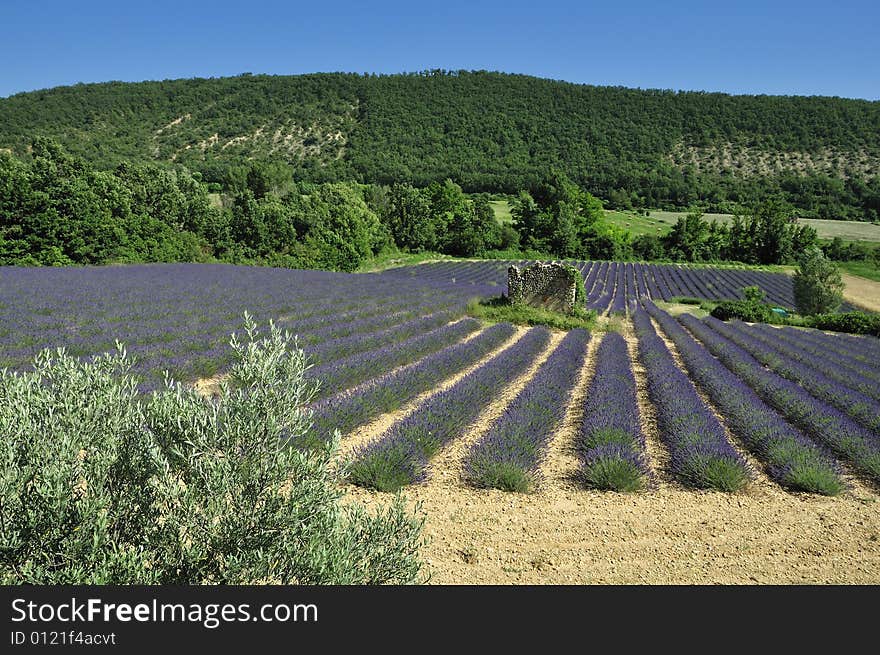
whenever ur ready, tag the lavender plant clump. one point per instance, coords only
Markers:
(610, 441)
(815, 418)
(338, 348)
(818, 359)
(401, 456)
(799, 369)
(347, 410)
(701, 456)
(608, 290)
(508, 456)
(341, 374)
(856, 356)
(177, 317)
(792, 459)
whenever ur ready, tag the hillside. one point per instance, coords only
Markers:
(487, 131)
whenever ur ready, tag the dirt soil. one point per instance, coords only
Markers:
(565, 534)
(862, 291)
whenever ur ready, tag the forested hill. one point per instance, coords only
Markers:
(486, 131)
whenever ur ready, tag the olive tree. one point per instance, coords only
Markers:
(100, 485)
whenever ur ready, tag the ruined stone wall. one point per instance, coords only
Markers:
(547, 286)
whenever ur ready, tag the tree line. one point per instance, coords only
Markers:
(57, 209)
(490, 132)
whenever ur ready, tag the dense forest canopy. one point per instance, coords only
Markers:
(485, 131)
(57, 209)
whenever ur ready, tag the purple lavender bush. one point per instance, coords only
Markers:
(818, 359)
(610, 441)
(508, 456)
(815, 418)
(701, 456)
(400, 456)
(345, 373)
(799, 368)
(345, 411)
(792, 459)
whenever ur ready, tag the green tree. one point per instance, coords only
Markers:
(101, 486)
(529, 222)
(769, 234)
(647, 247)
(349, 232)
(818, 286)
(836, 250)
(410, 219)
(473, 230)
(753, 294)
(688, 239)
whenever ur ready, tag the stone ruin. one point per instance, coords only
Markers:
(546, 286)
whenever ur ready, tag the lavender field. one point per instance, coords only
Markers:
(612, 287)
(653, 400)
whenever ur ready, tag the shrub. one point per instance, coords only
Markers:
(851, 322)
(742, 310)
(753, 294)
(103, 486)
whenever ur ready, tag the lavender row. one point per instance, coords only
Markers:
(610, 442)
(332, 349)
(792, 459)
(817, 358)
(509, 455)
(835, 348)
(850, 350)
(178, 316)
(402, 455)
(815, 418)
(799, 369)
(618, 300)
(350, 371)
(348, 410)
(602, 283)
(325, 317)
(701, 456)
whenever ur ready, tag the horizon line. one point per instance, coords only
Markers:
(436, 72)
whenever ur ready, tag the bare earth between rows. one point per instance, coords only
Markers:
(565, 534)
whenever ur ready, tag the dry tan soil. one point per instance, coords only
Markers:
(564, 535)
(862, 291)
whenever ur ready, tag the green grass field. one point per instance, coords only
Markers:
(638, 225)
(660, 222)
(502, 211)
(862, 269)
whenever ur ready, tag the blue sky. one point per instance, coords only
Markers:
(769, 47)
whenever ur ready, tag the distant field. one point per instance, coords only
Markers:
(639, 225)
(862, 269)
(660, 222)
(502, 211)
